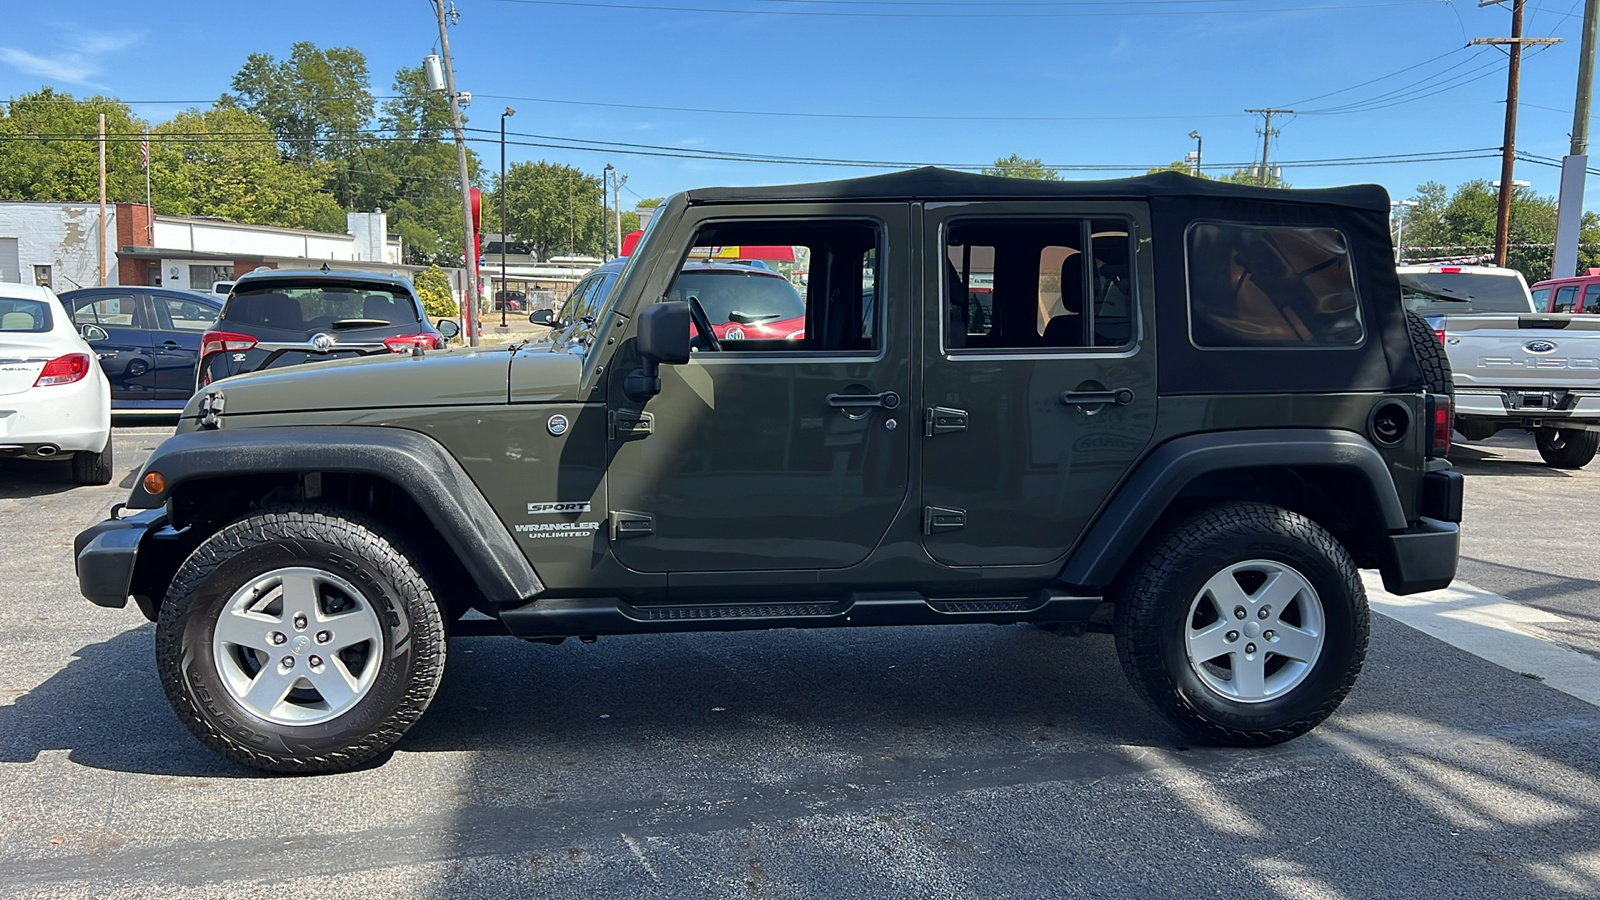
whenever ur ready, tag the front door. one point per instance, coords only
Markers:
(126, 353)
(1039, 373)
(788, 447)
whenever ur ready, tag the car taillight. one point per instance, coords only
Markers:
(1440, 413)
(64, 370)
(403, 343)
(223, 341)
(1439, 333)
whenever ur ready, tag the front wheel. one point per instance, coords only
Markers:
(298, 641)
(1566, 448)
(1246, 624)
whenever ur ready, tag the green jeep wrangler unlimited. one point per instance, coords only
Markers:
(1179, 411)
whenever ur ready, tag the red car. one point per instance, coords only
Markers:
(743, 301)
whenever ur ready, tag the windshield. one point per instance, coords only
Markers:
(24, 315)
(1463, 292)
(731, 295)
(297, 305)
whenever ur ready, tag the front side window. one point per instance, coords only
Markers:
(1271, 286)
(585, 307)
(785, 285)
(1038, 284)
(113, 309)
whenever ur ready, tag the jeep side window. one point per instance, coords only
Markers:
(1032, 284)
(1275, 285)
(779, 286)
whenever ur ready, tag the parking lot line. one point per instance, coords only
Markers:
(1491, 627)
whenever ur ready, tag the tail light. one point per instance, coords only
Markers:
(224, 341)
(1440, 413)
(1439, 333)
(403, 343)
(64, 370)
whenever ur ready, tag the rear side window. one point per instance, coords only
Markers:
(24, 315)
(298, 306)
(1271, 286)
(1566, 299)
(1591, 299)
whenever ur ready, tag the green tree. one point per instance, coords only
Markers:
(1460, 225)
(433, 288)
(650, 203)
(224, 162)
(1015, 166)
(1178, 166)
(49, 148)
(316, 101)
(556, 208)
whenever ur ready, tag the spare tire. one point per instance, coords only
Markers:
(1430, 355)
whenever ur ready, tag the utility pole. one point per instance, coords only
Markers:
(605, 209)
(617, 181)
(1508, 148)
(102, 199)
(469, 314)
(1267, 132)
(1569, 209)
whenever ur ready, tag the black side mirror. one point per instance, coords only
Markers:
(92, 333)
(663, 339)
(543, 317)
(448, 328)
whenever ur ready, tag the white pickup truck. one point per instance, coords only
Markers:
(1514, 367)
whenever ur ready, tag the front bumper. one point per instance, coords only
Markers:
(107, 552)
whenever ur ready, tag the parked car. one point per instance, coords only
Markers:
(510, 301)
(220, 289)
(54, 401)
(1201, 471)
(276, 317)
(741, 300)
(150, 344)
(1580, 294)
(1513, 365)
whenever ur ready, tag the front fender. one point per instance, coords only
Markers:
(414, 462)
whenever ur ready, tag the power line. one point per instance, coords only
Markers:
(967, 15)
(1380, 77)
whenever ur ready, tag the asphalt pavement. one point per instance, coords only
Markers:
(971, 761)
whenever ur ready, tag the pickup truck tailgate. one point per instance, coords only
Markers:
(1533, 351)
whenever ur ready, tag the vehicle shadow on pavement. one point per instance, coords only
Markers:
(23, 478)
(1544, 586)
(1491, 461)
(107, 709)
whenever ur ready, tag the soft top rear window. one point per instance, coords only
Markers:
(298, 305)
(24, 315)
(1271, 286)
(1450, 293)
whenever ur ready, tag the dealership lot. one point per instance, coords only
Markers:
(975, 761)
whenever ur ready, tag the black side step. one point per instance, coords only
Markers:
(568, 617)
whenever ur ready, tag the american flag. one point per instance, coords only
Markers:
(144, 151)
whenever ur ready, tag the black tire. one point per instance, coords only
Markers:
(409, 650)
(93, 468)
(1567, 448)
(1477, 430)
(1153, 618)
(1430, 355)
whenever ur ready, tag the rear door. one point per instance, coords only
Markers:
(1039, 381)
(127, 354)
(180, 323)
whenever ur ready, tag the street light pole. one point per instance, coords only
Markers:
(1400, 207)
(505, 293)
(1197, 142)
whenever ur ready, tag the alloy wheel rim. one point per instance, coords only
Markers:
(297, 646)
(1254, 631)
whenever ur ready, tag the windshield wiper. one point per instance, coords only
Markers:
(744, 318)
(359, 323)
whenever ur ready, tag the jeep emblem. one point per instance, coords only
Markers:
(557, 425)
(321, 343)
(1539, 346)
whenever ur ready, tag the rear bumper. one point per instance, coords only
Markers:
(1530, 407)
(107, 552)
(1424, 556)
(69, 417)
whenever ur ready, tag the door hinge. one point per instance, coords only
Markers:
(938, 519)
(943, 420)
(627, 426)
(625, 524)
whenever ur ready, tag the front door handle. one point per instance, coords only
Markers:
(887, 400)
(1120, 397)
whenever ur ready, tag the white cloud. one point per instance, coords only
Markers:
(77, 62)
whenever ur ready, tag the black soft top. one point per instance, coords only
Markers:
(932, 183)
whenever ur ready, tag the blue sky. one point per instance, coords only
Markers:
(1118, 82)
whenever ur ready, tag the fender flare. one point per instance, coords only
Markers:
(415, 462)
(1147, 492)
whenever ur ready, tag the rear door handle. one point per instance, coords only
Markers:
(1120, 397)
(887, 400)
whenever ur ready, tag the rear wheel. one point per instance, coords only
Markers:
(93, 468)
(1245, 625)
(1567, 448)
(300, 641)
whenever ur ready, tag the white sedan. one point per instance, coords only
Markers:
(54, 399)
